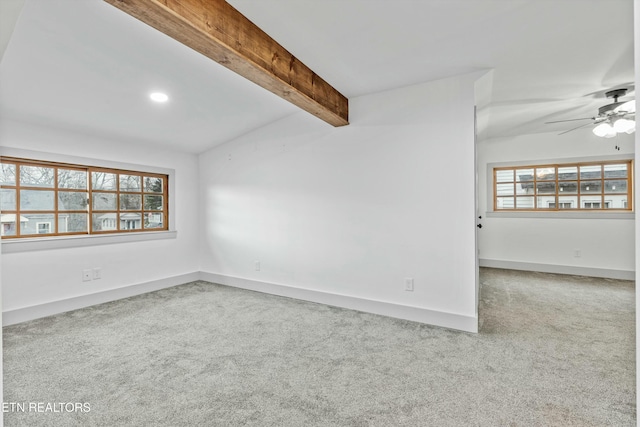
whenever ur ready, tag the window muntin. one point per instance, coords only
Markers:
(603, 186)
(51, 199)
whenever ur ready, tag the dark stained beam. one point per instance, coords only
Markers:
(220, 32)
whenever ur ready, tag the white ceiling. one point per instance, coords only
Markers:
(88, 66)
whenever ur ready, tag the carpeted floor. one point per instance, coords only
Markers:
(552, 351)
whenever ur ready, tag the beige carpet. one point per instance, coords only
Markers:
(552, 351)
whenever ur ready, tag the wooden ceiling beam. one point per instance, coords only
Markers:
(220, 32)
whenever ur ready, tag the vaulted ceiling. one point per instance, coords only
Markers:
(87, 66)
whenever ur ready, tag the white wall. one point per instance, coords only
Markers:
(9, 13)
(549, 244)
(636, 8)
(350, 212)
(36, 278)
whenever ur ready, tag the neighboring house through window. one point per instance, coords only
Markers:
(573, 186)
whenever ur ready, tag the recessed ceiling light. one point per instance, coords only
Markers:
(159, 97)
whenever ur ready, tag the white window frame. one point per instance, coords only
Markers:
(38, 224)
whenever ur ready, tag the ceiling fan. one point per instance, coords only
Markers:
(612, 119)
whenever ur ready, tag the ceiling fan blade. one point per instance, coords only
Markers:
(570, 120)
(576, 128)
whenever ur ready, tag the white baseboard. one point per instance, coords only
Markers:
(55, 307)
(416, 314)
(559, 269)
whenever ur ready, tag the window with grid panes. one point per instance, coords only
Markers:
(53, 199)
(564, 187)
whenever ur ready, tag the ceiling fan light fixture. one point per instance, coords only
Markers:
(632, 129)
(624, 125)
(628, 107)
(604, 130)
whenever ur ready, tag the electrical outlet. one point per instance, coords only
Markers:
(577, 253)
(408, 284)
(257, 265)
(97, 273)
(86, 275)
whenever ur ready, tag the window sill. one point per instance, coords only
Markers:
(42, 243)
(562, 215)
